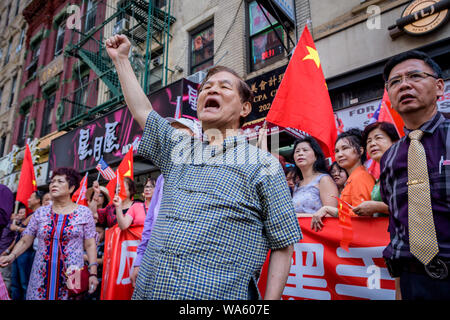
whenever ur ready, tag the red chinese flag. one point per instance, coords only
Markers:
(388, 114)
(79, 196)
(302, 100)
(27, 181)
(125, 169)
(345, 222)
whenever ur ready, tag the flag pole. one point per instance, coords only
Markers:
(98, 176)
(117, 183)
(16, 207)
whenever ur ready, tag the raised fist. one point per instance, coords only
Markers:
(118, 47)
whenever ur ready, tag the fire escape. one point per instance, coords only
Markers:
(148, 29)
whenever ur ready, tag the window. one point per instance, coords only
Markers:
(47, 117)
(22, 38)
(23, 130)
(156, 70)
(159, 3)
(122, 22)
(202, 48)
(91, 10)
(8, 52)
(60, 39)
(13, 90)
(81, 95)
(265, 45)
(32, 67)
(2, 145)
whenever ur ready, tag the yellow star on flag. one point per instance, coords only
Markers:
(313, 55)
(128, 173)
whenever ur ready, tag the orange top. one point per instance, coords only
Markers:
(358, 187)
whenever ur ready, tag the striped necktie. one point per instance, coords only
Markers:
(422, 234)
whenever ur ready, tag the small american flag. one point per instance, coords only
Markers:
(105, 170)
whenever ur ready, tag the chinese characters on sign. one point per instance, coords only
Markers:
(192, 92)
(102, 144)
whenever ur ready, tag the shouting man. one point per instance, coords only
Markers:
(225, 202)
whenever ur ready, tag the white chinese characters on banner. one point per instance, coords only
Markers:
(102, 144)
(370, 271)
(127, 257)
(308, 261)
(310, 279)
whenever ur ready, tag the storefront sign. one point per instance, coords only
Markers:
(112, 136)
(421, 17)
(426, 16)
(264, 89)
(51, 70)
(359, 116)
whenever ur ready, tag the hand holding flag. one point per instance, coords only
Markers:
(106, 171)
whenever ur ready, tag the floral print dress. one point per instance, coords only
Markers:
(57, 233)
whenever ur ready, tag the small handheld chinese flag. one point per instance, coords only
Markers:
(125, 169)
(27, 181)
(79, 197)
(345, 214)
(302, 100)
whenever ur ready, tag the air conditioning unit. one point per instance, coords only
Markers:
(120, 26)
(197, 77)
(156, 62)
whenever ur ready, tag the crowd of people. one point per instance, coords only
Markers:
(208, 228)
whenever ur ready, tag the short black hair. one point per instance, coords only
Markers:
(39, 195)
(413, 54)
(21, 206)
(72, 176)
(320, 165)
(384, 126)
(131, 186)
(355, 139)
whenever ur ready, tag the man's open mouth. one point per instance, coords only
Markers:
(212, 103)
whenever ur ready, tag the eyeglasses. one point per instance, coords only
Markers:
(412, 76)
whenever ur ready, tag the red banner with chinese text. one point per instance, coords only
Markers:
(120, 252)
(322, 270)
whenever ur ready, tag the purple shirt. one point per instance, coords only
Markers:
(6, 209)
(394, 191)
(6, 206)
(150, 219)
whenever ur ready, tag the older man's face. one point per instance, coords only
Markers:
(219, 104)
(412, 96)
